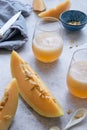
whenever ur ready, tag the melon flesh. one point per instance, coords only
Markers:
(8, 105)
(33, 89)
(38, 5)
(55, 12)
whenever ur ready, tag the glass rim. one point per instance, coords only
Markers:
(49, 18)
(76, 51)
(73, 57)
(79, 50)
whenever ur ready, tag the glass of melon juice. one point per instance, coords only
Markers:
(77, 74)
(47, 43)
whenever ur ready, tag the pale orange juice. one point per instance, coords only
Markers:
(77, 79)
(47, 46)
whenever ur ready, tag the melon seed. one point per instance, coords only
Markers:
(4, 101)
(35, 86)
(6, 93)
(78, 116)
(7, 117)
(1, 107)
(44, 94)
(54, 100)
(69, 111)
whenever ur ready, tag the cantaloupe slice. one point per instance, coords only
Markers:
(55, 12)
(32, 88)
(38, 5)
(8, 105)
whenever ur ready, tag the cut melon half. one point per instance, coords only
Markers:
(33, 89)
(8, 105)
(55, 12)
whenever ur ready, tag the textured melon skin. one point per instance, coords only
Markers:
(55, 12)
(30, 91)
(9, 110)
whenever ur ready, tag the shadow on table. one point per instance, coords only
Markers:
(76, 102)
(5, 51)
(47, 67)
(45, 122)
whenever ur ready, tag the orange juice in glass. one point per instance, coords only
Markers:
(47, 43)
(77, 74)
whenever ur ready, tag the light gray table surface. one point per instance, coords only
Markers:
(53, 74)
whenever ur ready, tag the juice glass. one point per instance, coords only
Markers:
(77, 74)
(47, 43)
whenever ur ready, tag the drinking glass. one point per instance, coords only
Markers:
(47, 42)
(77, 74)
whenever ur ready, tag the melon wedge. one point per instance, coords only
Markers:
(55, 12)
(33, 89)
(38, 5)
(8, 105)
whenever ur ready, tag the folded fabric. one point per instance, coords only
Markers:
(16, 36)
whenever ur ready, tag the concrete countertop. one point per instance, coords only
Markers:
(54, 75)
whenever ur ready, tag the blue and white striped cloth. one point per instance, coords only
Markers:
(16, 36)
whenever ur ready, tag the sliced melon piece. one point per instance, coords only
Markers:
(55, 12)
(8, 105)
(32, 88)
(38, 5)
